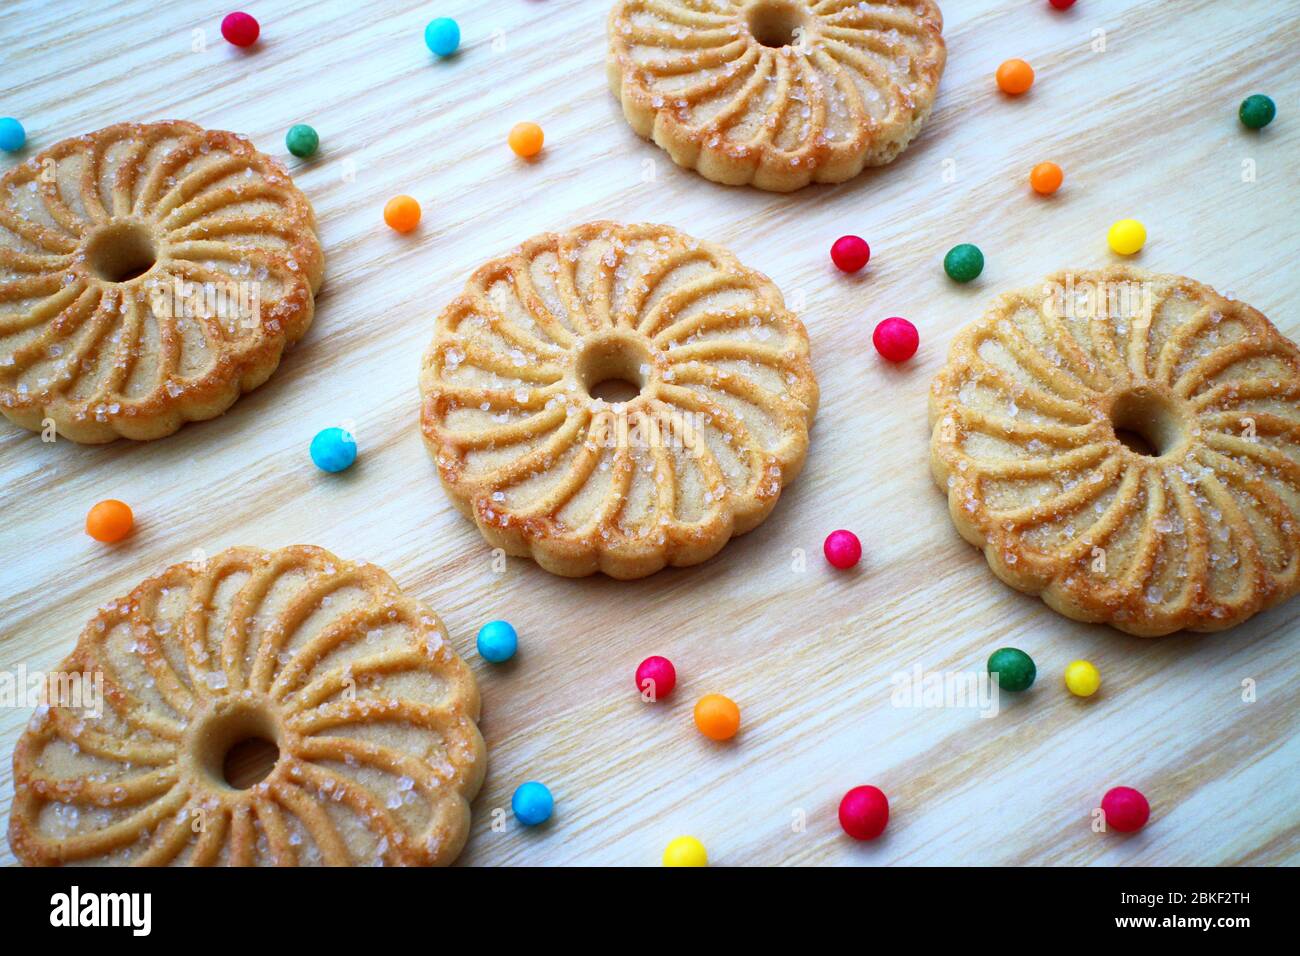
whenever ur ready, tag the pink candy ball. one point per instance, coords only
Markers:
(896, 339)
(864, 812)
(843, 549)
(1126, 809)
(850, 253)
(240, 29)
(655, 678)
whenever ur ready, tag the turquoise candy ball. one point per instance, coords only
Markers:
(964, 262)
(442, 36)
(1013, 668)
(333, 449)
(497, 642)
(532, 803)
(12, 135)
(302, 140)
(1257, 111)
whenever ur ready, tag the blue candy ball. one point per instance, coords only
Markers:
(497, 642)
(442, 36)
(333, 449)
(12, 135)
(532, 804)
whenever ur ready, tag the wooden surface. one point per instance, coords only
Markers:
(1145, 128)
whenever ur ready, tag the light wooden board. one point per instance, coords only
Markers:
(1145, 128)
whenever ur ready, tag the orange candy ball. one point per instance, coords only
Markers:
(109, 521)
(1046, 178)
(402, 213)
(1015, 77)
(526, 139)
(717, 717)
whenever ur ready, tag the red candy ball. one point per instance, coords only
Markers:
(842, 549)
(240, 29)
(1126, 809)
(656, 678)
(864, 812)
(850, 253)
(1061, 4)
(896, 339)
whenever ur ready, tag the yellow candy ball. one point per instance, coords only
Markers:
(1127, 236)
(1082, 679)
(686, 851)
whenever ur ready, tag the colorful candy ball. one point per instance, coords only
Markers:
(109, 521)
(1126, 237)
(526, 139)
(1082, 678)
(685, 851)
(1013, 668)
(896, 339)
(1126, 809)
(12, 135)
(655, 678)
(240, 29)
(963, 262)
(864, 812)
(1046, 178)
(1257, 111)
(532, 803)
(497, 642)
(850, 253)
(402, 213)
(442, 36)
(842, 549)
(717, 716)
(1062, 4)
(333, 449)
(1015, 77)
(302, 140)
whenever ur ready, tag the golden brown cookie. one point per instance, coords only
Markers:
(256, 708)
(617, 398)
(149, 274)
(1127, 445)
(776, 93)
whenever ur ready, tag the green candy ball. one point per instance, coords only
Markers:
(964, 262)
(1257, 111)
(1013, 668)
(302, 140)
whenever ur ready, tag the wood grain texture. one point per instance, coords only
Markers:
(1146, 128)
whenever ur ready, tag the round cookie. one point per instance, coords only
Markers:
(149, 274)
(319, 673)
(1127, 445)
(776, 93)
(617, 398)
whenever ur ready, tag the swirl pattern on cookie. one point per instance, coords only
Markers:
(346, 690)
(776, 93)
(149, 274)
(707, 420)
(1127, 445)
